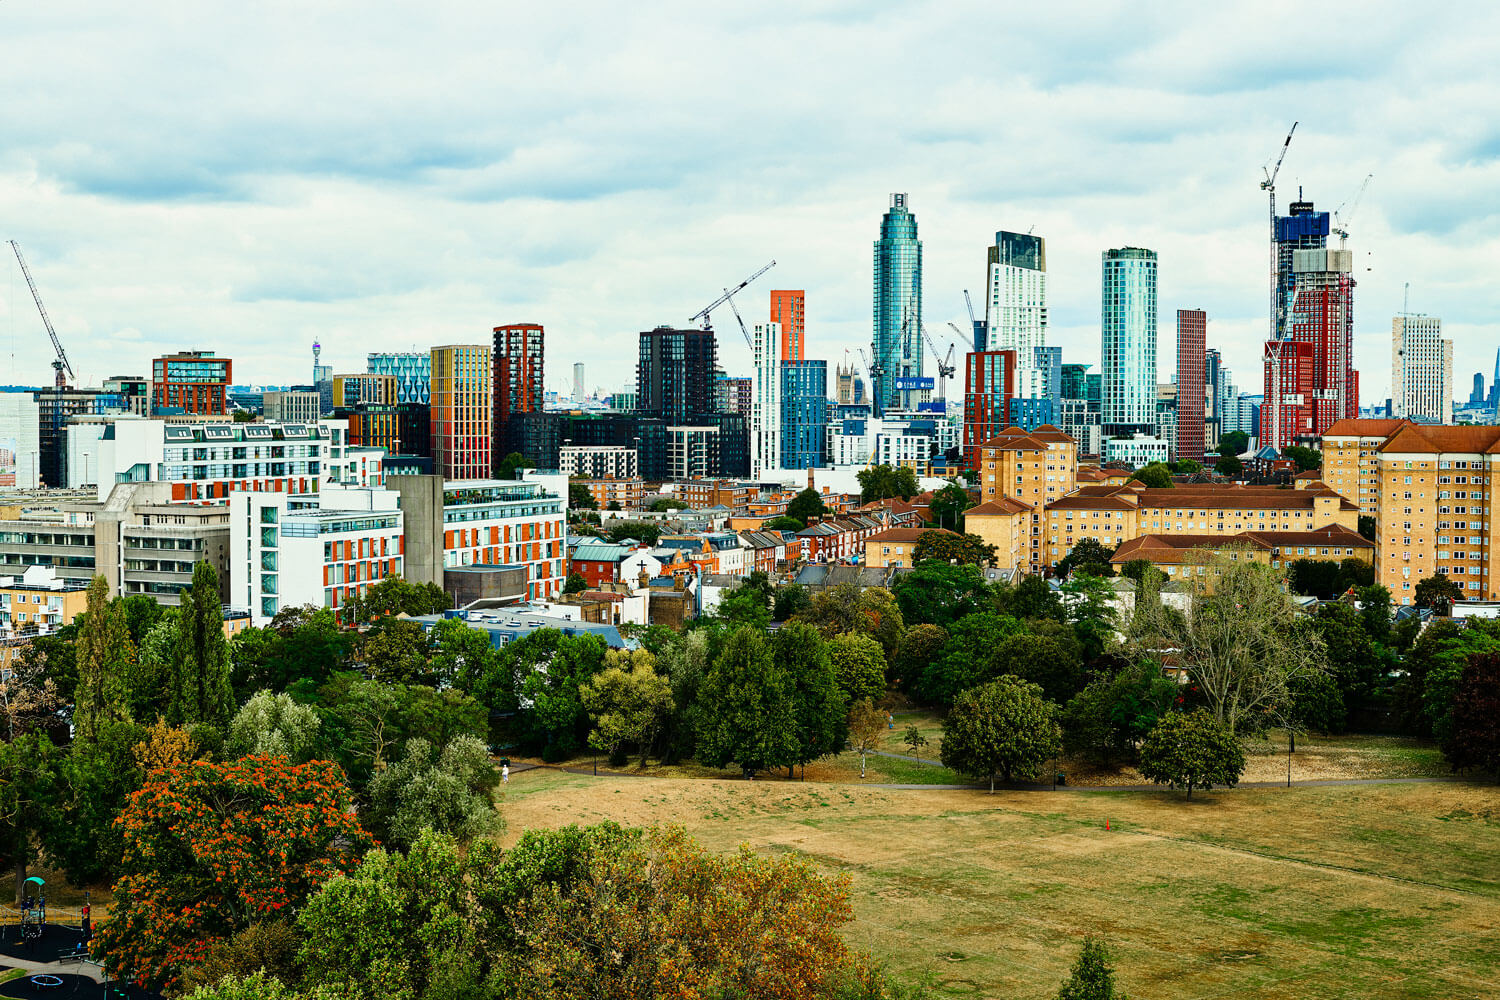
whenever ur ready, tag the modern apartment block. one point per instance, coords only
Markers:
(38, 602)
(1302, 228)
(1192, 330)
(804, 414)
(400, 429)
(1015, 310)
(518, 355)
(1421, 370)
(412, 372)
(598, 461)
(733, 394)
(989, 386)
(462, 411)
(292, 406)
(191, 381)
(675, 374)
(202, 463)
(788, 313)
(1128, 314)
(765, 400)
(896, 340)
(365, 388)
(1310, 383)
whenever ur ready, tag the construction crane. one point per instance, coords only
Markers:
(1269, 185)
(729, 293)
(62, 369)
(945, 365)
(875, 371)
(1342, 219)
(974, 324)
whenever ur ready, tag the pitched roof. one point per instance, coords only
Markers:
(1471, 439)
(905, 534)
(1364, 427)
(1000, 505)
(1332, 534)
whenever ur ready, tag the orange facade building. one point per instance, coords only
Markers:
(787, 309)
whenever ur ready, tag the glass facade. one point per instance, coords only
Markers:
(896, 340)
(1128, 326)
(675, 374)
(413, 373)
(1016, 306)
(804, 414)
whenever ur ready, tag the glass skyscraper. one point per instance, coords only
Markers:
(897, 341)
(1015, 308)
(804, 414)
(1128, 325)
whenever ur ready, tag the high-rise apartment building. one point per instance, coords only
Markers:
(1128, 326)
(364, 387)
(1310, 382)
(462, 411)
(192, 381)
(1422, 370)
(413, 373)
(732, 394)
(517, 384)
(804, 414)
(1015, 306)
(674, 373)
(1192, 331)
(580, 390)
(765, 400)
(989, 386)
(787, 312)
(1301, 229)
(897, 340)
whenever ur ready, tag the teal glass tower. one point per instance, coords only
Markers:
(1128, 324)
(897, 340)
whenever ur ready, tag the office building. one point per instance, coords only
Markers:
(765, 400)
(787, 313)
(1309, 381)
(402, 429)
(462, 411)
(580, 391)
(364, 387)
(1192, 330)
(1422, 370)
(989, 386)
(675, 374)
(804, 414)
(517, 382)
(1015, 310)
(598, 462)
(291, 406)
(134, 392)
(190, 382)
(1476, 396)
(1302, 228)
(1128, 314)
(56, 409)
(897, 340)
(411, 370)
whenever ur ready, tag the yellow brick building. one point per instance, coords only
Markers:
(1032, 467)
(894, 546)
(1180, 557)
(1004, 523)
(1351, 459)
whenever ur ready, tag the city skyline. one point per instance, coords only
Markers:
(238, 216)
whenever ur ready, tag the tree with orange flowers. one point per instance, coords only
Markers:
(212, 848)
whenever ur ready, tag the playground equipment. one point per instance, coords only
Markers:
(33, 909)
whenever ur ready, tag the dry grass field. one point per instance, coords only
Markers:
(1313, 892)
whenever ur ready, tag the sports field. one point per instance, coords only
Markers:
(1353, 891)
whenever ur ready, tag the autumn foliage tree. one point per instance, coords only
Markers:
(212, 848)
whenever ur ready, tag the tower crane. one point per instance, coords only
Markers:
(946, 368)
(60, 365)
(974, 324)
(1269, 185)
(1342, 219)
(729, 293)
(875, 371)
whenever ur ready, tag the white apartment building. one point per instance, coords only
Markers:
(1137, 451)
(598, 462)
(1016, 306)
(765, 400)
(1421, 370)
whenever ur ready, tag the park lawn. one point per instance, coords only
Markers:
(1354, 891)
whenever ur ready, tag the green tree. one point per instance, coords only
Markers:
(628, 701)
(1004, 727)
(1191, 750)
(919, 647)
(914, 740)
(967, 658)
(1154, 476)
(155, 670)
(1046, 653)
(1136, 569)
(1092, 977)
(203, 694)
(1089, 554)
(1229, 466)
(1233, 443)
(945, 547)
(1088, 604)
(551, 669)
(783, 523)
(750, 603)
(818, 701)
(1185, 467)
(394, 596)
(938, 593)
(685, 662)
(666, 505)
(791, 600)
(859, 663)
(141, 612)
(1438, 592)
(806, 505)
(1306, 459)
(1314, 578)
(1367, 526)
(106, 657)
(848, 608)
(880, 482)
(29, 768)
(53, 659)
(273, 725)
(301, 644)
(575, 584)
(867, 726)
(1031, 598)
(460, 654)
(748, 716)
(1111, 716)
(642, 531)
(579, 497)
(511, 464)
(395, 651)
(448, 792)
(1473, 738)
(948, 506)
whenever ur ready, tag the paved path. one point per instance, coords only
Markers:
(69, 968)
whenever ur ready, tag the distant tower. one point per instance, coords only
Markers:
(578, 382)
(317, 354)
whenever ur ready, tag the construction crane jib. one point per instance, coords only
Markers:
(704, 313)
(1269, 185)
(60, 365)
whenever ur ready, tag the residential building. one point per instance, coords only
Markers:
(134, 393)
(1137, 451)
(1422, 370)
(614, 494)
(1015, 310)
(733, 395)
(1128, 327)
(365, 388)
(205, 462)
(1031, 467)
(56, 409)
(765, 402)
(787, 312)
(675, 374)
(462, 411)
(1192, 331)
(837, 539)
(989, 386)
(600, 562)
(292, 406)
(1351, 459)
(411, 370)
(1166, 415)
(897, 342)
(598, 462)
(804, 414)
(400, 429)
(191, 381)
(1183, 557)
(1006, 524)
(517, 382)
(1309, 381)
(38, 602)
(897, 546)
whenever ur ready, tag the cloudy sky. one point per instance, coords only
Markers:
(250, 178)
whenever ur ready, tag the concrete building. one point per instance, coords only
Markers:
(1422, 370)
(133, 390)
(191, 381)
(1192, 331)
(1128, 314)
(765, 400)
(292, 406)
(1310, 382)
(1015, 311)
(598, 462)
(412, 372)
(38, 602)
(462, 411)
(897, 341)
(205, 462)
(788, 313)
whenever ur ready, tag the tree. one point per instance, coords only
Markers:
(1192, 750)
(1233, 443)
(395, 651)
(937, 593)
(818, 701)
(641, 531)
(748, 717)
(1306, 459)
(1089, 554)
(1033, 597)
(919, 647)
(1092, 977)
(791, 600)
(945, 547)
(859, 663)
(1004, 727)
(575, 584)
(1088, 604)
(53, 658)
(460, 654)
(806, 505)
(301, 644)
(914, 740)
(448, 792)
(1314, 578)
(203, 693)
(394, 596)
(685, 662)
(1229, 466)
(105, 658)
(948, 506)
(1438, 592)
(550, 669)
(1111, 716)
(867, 726)
(365, 724)
(880, 482)
(28, 783)
(1046, 653)
(783, 523)
(1154, 476)
(155, 670)
(1367, 526)
(212, 848)
(1474, 734)
(1185, 467)
(847, 608)
(29, 697)
(579, 497)
(628, 701)
(1243, 642)
(273, 725)
(666, 505)
(511, 464)
(967, 657)
(750, 603)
